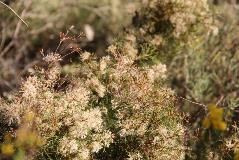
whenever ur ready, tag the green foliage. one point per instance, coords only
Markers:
(208, 73)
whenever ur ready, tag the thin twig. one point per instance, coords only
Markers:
(220, 100)
(14, 12)
(6, 48)
(200, 104)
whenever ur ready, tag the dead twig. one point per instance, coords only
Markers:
(14, 12)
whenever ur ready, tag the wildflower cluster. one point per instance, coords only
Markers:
(105, 102)
(135, 105)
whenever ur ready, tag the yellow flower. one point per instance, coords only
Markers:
(206, 122)
(215, 112)
(7, 149)
(28, 137)
(215, 118)
(39, 141)
(219, 125)
(32, 137)
(22, 136)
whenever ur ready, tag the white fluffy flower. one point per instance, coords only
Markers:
(30, 87)
(85, 56)
(68, 146)
(157, 71)
(96, 85)
(96, 146)
(84, 154)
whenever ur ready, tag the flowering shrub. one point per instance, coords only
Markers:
(107, 104)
